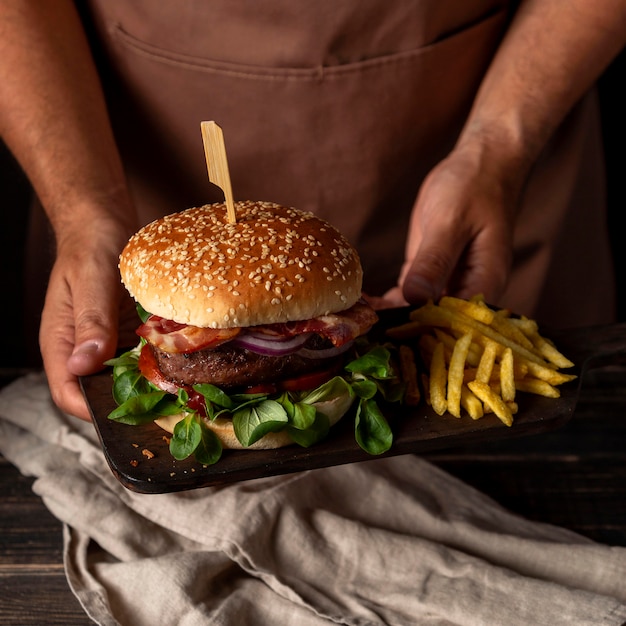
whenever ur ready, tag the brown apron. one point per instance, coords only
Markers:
(341, 108)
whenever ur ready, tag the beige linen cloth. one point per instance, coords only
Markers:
(389, 541)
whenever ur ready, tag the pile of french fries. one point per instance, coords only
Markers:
(476, 358)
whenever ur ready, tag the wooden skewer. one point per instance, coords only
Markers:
(217, 164)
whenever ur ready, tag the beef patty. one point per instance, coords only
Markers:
(230, 367)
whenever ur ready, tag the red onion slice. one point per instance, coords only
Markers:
(270, 346)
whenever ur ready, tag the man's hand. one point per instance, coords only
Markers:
(461, 233)
(84, 304)
(53, 117)
(460, 239)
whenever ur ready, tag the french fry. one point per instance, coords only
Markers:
(449, 341)
(548, 373)
(474, 352)
(503, 324)
(408, 371)
(472, 308)
(520, 370)
(538, 387)
(487, 361)
(479, 297)
(493, 401)
(513, 407)
(507, 376)
(437, 382)
(543, 346)
(527, 326)
(548, 350)
(455, 374)
(471, 403)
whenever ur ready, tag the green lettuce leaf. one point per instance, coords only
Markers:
(254, 421)
(371, 429)
(186, 437)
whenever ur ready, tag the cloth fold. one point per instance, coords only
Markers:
(388, 541)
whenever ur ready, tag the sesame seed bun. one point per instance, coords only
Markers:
(275, 264)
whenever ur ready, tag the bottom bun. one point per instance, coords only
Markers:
(334, 410)
(225, 432)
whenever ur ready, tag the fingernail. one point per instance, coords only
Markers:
(88, 348)
(416, 287)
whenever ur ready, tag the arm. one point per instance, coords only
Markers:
(462, 223)
(54, 119)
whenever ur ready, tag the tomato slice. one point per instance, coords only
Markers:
(308, 381)
(262, 388)
(150, 370)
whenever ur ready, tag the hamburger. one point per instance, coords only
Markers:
(247, 329)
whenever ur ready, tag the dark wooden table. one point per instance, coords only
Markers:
(573, 477)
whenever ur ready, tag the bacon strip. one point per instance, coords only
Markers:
(338, 328)
(174, 337)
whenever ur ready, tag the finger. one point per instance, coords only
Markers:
(64, 387)
(78, 333)
(392, 298)
(430, 270)
(485, 268)
(96, 316)
(56, 338)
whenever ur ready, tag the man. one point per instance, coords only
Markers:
(454, 130)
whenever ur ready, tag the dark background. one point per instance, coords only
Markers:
(15, 194)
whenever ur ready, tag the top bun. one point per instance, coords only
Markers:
(275, 264)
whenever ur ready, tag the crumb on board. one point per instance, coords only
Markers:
(147, 453)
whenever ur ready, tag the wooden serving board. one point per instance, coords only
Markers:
(139, 455)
